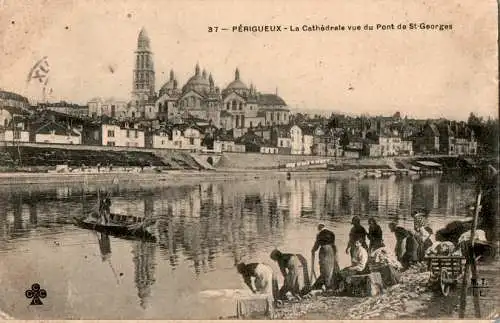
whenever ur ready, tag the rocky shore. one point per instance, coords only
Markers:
(413, 298)
(397, 302)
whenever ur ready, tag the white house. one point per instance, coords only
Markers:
(228, 146)
(179, 137)
(406, 148)
(393, 146)
(307, 143)
(17, 135)
(296, 140)
(54, 133)
(123, 136)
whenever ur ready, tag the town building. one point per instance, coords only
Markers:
(16, 131)
(292, 138)
(54, 133)
(427, 140)
(11, 105)
(122, 134)
(179, 136)
(64, 107)
(111, 107)
(252, 142)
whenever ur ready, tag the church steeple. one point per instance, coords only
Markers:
(143, 74)
(211, 80)
(171, 75)
(143, 42)
(197, 69)
(237, 74)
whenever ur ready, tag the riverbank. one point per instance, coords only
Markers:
(165, 177)
(413, 298)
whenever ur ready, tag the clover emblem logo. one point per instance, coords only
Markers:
(36, 294)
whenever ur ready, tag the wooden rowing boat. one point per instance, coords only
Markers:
(121, 229)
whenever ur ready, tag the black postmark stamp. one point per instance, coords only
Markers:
(36, 294)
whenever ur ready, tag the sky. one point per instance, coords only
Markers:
(420, 73)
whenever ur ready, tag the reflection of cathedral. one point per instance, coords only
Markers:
(236, 106)
(144, 254)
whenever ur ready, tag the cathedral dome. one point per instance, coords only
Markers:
(198, 82)
(170, 85)
(237, 84)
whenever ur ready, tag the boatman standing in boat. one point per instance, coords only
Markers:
(328, 263)
(105, 208)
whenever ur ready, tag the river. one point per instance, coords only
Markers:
(205, 229)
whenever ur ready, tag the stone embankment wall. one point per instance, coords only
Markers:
(261, 161)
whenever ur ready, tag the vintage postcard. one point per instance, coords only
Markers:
(202, 160)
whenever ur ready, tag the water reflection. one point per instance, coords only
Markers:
(202, 226)
(144, 258)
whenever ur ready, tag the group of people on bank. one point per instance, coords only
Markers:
(366, 249)
(260, 277)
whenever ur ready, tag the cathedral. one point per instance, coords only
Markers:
(235, 106)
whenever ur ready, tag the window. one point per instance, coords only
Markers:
(191, 141)
(163, 142)
(111, 133)
(128, 133)
(17, 134)
(137, 133)
(111, 143)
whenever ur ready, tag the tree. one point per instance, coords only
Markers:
(332, 123)
(344, 140)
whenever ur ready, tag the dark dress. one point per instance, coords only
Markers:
(408, 254)
(293, 266)
(376, 237)
(328, 262)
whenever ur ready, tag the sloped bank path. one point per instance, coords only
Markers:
(167, 177)
(411, 299)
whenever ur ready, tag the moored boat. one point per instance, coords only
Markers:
(122, 229)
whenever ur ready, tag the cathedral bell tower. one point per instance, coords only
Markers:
(143, 88)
